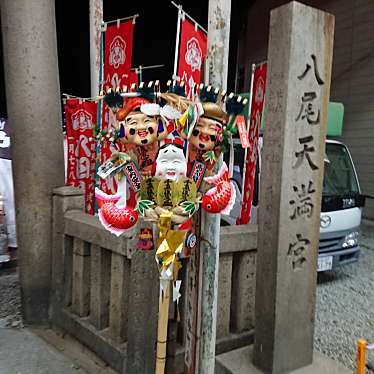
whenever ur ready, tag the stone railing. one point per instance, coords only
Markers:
(105, 294)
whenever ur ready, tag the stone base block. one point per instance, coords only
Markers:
(239, 361)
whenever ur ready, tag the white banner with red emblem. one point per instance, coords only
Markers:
(258, 96)
(192, 52)
(80, 125)
(118, 38)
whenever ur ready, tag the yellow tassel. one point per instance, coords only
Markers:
(183, 120)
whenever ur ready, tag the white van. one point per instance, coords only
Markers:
(341, 206)
(341, 209)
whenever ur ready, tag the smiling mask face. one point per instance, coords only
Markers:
(171, 163)
(204, 135)
(140, 129)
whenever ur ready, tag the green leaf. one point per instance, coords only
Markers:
(143, 205)
(234, 131)
(188, 207)
(209, 156)
(190, 114)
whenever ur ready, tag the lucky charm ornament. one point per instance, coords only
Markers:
(114, 212)
(168, 149)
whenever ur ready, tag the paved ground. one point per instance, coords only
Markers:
(37, 351)
(345, 306)
(23, 352)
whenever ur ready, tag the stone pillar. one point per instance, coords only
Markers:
(96, 19)
(297, 95)
(33, 98)
(217, 59)
(142, 312)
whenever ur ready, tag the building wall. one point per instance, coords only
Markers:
(352, 74)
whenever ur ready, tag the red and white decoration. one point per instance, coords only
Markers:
(192, 52)
(117, 73)
(258, 95)
(118, 55)
(80, 124)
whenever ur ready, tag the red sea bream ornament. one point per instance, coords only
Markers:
(117, 219)
(221, 198)
(114, 213)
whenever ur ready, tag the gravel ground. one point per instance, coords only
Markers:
(10, 300)
(345, 306)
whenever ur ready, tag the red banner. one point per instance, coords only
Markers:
(258, 95)
(80, 124)
(117, 73)
(192, 52)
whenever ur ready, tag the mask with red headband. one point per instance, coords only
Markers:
(140, 122)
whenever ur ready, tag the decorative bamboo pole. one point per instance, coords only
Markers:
(162, 328)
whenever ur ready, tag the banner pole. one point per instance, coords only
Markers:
(99, 114)
(248, 127)
(192, 19)
(122, 19)
(176, 55)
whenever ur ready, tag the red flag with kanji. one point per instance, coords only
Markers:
(81, 119)
(258, 96)
(117, 73)
(192, 52)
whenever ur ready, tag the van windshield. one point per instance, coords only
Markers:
(340, 177)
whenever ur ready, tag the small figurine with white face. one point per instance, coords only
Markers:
(171, 162)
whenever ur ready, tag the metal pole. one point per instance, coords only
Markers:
(176, 55)
(99, 109)
(217, 56)
(361, 356)
(118, 20)
(188, 16)
(96, 19)
(139, 71)
(140, 74)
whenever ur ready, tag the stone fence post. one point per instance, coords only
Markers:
(64, 199)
